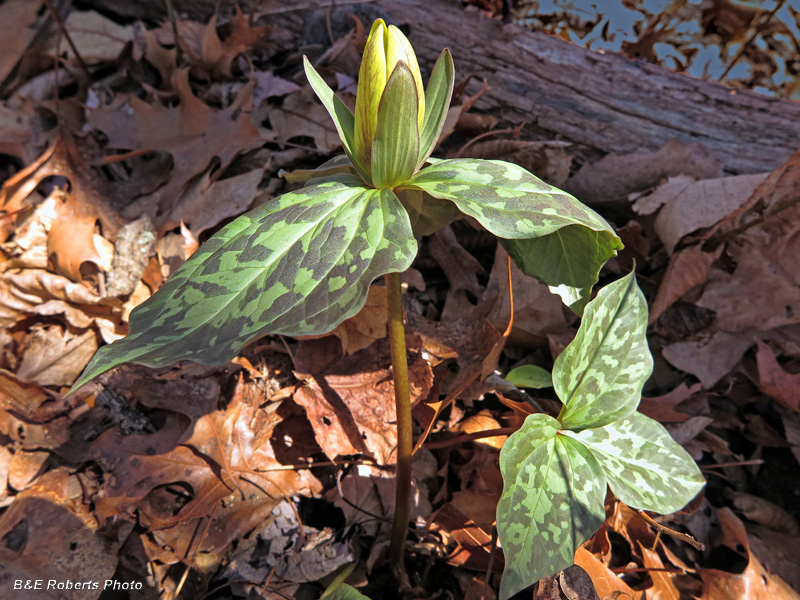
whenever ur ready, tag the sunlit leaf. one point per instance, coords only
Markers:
(341, 115)
(514, 205)
(299, 264)
(600, 375)
(437, 101)
(644, 466)
(530, 376)
(396, 145)
(568, 260)
(553, 493)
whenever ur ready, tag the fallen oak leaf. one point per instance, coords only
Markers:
(193, 133)
(774, 381)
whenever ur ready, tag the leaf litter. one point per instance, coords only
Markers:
(270, 473)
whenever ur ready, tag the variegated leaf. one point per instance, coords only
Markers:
(644, 466)
(515, 205)
(299, 264)
(553, 493)
(600, 375)
(344, 592)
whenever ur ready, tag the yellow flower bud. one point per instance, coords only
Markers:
(386, 47)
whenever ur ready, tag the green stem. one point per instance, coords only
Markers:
(397, 340)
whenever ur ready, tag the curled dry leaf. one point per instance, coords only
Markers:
(72, 240)
(81, 551)
(37, 292)
(606, 582)
(754, 583)
(774, 381)
(213, 56)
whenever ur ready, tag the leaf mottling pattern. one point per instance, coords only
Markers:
(549, 234)
(300, 264)
(644, 466)
(600, 375)
(552, 502)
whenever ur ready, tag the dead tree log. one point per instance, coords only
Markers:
(604, 102)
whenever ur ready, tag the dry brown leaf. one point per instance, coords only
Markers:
(366, 326)
(774, 381)
(473, 543)
(56, 357)
(687, 269)
(662, 408)
(269, 85)
(72, 240)
(26, 467)
(711, 358)
(38, 292)
(49, 534)
(663, 587)
(213, 56)
(755, 583)
(351, 403)
(15, 128)
(765, 513)
(614, 177)
(302, 115)
(537, 311)
(17, 30)
(200, 207)
(606, 582)
(97, 38)
(193, 133)
(223, 452)
(482, 421)
(689, 205)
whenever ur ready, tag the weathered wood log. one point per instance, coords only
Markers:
(604, 102)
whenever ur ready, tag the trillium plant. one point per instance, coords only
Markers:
(302, 263)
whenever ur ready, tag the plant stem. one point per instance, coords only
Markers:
(397, 340)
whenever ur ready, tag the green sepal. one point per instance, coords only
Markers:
(568, 260)
(396, 145)
(530, 376)
(644, 466)
(515, 205)
(437, 101)
(298, 265)
(338, 165)
(553, 493)
(342, 116)
(599, 376)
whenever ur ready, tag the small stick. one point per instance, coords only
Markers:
(68, 37)
(676, 534)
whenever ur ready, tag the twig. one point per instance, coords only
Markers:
(676, 534)
(174, 22)
(68, 37)
(716, 240)
(750, 40)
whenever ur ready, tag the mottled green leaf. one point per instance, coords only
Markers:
(396, 145)
(342, 116)
(568, 260)
(553, 493)
(437, 101)
(530, 376)
(600, 375)
(515, 205)
(299, 264)
(346, 592)
(644, 466)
